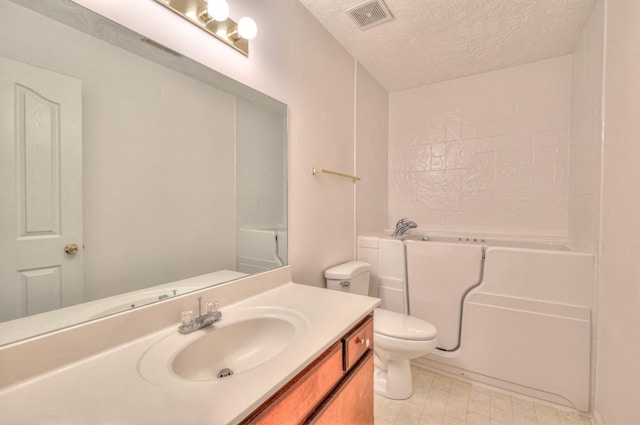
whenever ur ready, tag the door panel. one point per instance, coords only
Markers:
(41, 187)
(38, 164)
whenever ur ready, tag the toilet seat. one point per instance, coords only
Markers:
(402, 326)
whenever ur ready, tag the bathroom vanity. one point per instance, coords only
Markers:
(298, 353)
(337, 388)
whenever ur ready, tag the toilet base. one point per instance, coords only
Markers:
(395, 381)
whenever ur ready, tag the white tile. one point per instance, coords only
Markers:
(404, 419)
(480, 407)
(478, 419)
(448, 400)
(456, 411)
(452, 420)
(412, 407)
(486, 126)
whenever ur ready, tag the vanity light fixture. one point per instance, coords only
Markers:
(212, 16)
(218, 10)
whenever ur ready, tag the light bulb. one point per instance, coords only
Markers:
(247, 28)
(218, 9)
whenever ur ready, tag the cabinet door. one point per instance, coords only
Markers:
(298, 399)
(352, 402)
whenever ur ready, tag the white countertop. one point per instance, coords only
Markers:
(108, 389)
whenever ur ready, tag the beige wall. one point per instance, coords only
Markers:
(372, 132)
(585, 148)
(260, 144)
(618, 365)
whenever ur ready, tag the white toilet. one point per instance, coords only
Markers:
(397, 338)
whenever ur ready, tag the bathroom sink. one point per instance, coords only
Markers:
(244, 340)
(239, 347)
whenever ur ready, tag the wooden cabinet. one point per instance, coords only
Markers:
(352, 401)
(336, 388)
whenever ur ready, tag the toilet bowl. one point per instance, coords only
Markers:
(397, 337)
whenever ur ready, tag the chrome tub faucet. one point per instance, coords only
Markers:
(402, 226)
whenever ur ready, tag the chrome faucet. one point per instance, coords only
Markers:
(402, 226)
(191, 324)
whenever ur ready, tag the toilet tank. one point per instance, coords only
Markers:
(349, 277)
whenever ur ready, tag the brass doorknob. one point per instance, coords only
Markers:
(71, 249)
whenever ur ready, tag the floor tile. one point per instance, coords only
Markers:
(440, 399)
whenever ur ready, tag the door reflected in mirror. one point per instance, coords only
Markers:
(166, 175)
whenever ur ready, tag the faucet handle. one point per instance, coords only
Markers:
(186, 318)
(213, 306)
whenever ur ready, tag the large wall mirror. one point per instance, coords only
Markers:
(128, 173)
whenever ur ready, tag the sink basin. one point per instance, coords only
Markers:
(242, 341)
(240, 346)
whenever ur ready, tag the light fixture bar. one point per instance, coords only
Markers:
(192, 11)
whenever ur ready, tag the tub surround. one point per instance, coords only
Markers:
(486, 153)
(89, 373)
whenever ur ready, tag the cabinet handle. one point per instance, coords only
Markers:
(365, 342)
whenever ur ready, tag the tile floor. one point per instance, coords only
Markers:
(443, 400)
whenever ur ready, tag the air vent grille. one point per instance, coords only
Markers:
(370, 13)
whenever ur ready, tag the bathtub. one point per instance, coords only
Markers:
(260, 250)
(526, 326)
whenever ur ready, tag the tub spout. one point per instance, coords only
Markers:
(402, 226)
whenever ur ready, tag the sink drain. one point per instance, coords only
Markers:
(225, 372)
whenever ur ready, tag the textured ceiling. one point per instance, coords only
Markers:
(437, 40)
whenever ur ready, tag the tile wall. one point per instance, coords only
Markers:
(487, 154)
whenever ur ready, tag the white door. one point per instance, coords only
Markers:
(40, 190)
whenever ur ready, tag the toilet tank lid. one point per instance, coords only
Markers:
(402, 326)
(347, 270)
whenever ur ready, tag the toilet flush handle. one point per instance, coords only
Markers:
(345, 284)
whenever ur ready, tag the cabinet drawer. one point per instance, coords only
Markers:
(294, 402)
(352, 402)
(358, 342)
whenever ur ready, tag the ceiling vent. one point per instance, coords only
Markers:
(370, 13)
